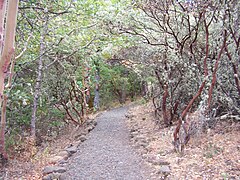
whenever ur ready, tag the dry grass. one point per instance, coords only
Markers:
(211, 155)
(28, 163)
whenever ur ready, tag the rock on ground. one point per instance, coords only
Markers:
(107, 153)
(53, 169)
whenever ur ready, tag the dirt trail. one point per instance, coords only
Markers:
(107, 153)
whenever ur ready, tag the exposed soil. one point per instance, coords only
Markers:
(144, 151)
(28, 160)
(214, 154)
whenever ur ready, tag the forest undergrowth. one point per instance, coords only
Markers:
(27, 160)
(212, 154)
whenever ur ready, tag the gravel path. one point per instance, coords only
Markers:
(107, 153)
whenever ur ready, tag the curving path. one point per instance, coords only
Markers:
(107, 153)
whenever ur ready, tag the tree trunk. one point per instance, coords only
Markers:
(185, 111)
(235, 70)
(96, 103)
(39, 79)
(123, 92)
(164, 105)
(144, 88)
(214, 79)
(8, 15)
(3, 153)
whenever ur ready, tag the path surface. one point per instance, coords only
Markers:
(107, 153)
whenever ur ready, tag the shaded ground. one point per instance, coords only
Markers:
(27, 162)
(214, 154)
(107, 153)
(135, 149)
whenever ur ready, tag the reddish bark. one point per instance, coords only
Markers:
(159, 79)
(8, 19)
(184, 113)
(176, 107)
(74, 96)
(1, 4)
(64, 104)
(214, 79)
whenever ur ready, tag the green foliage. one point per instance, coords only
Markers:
(56, 42)
(128, 46)
(13, 140)
(118, 81)
(55, 123)
(171, 41)
(19, 108)
(143, 101)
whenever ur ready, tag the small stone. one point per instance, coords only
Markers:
(94, 123)
(85, 132)
(63, 161)
(63, 177)
(90, 128)
(77, 143)
(56, 159)
(82, 138)
(88, 122)
(131, 136)
(47, 177)
(160, 162)
(129, 116)
(164, 169)
(53, 169)
(63, 154)
(155, 160)
(71, 150)
(51, 176)
(133, 130)
(77, 136)
(135, 133)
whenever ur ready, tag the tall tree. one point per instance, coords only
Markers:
(96, 102)
(39, 73)
(8, 11)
